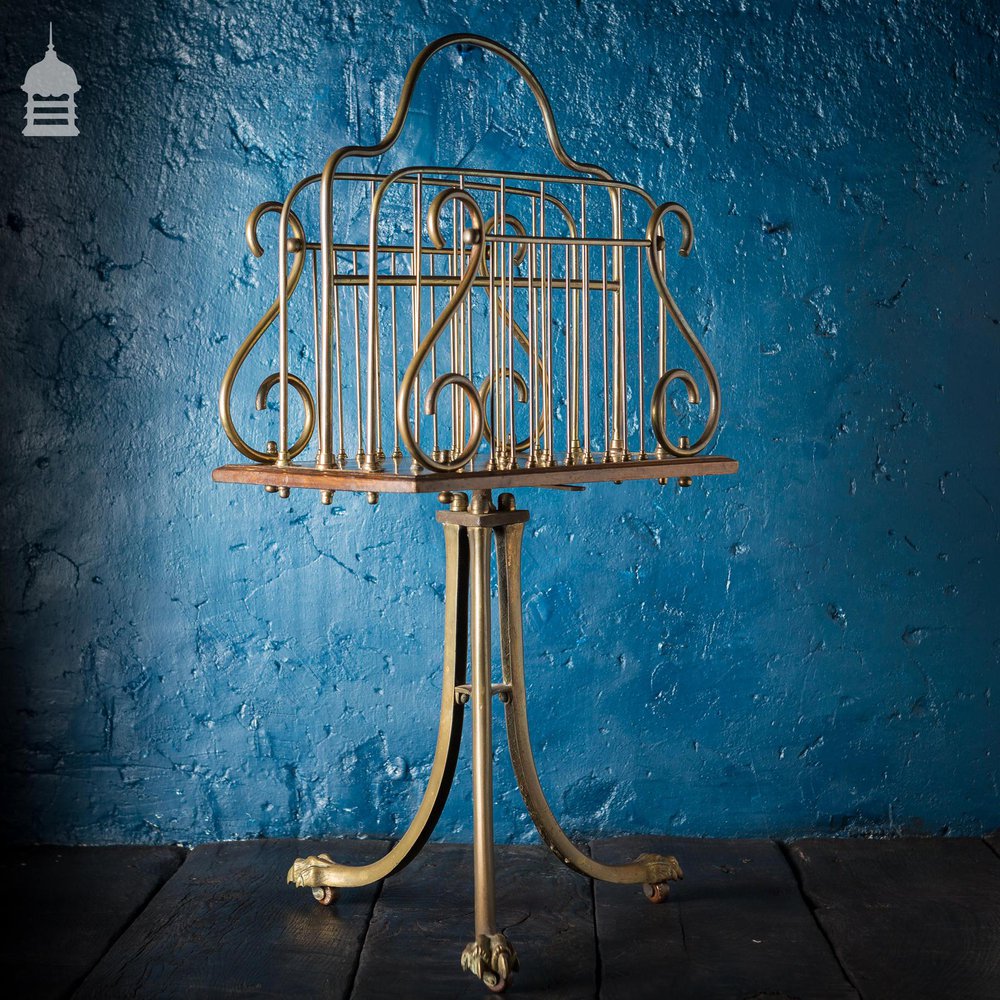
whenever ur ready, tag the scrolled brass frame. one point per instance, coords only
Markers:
(657, 408)
(427, 343)
(250, 341)
(476, 256)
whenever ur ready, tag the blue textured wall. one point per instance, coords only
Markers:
(807, 647)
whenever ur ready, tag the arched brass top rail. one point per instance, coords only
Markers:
(409, 85)
(325, 457)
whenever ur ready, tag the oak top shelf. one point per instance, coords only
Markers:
(401, 479)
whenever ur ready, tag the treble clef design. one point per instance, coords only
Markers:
(466, 385)
(298, 248)
(657, 407)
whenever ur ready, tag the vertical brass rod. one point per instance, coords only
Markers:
(569, 368)
(283, 374)
(396, 453)
(543, 319)
(458, 355)
(376, 445)
(461, 322)
(467, 321)
(575, 350)
(315, 298)
(533, 387)
(662, 311)
(436, 440)
(587, 456)
(341, 456)
(621, 418)
(498, 388)
(547, 348)
(453, 331)
(639, 347)
(482, 733)
(663, 322)
(619, 446)
(357, 360)
(418, 267)
(550, 412)
(511, 432)
(492, 324)
(373, 357)
(604, 311)
(325, 458)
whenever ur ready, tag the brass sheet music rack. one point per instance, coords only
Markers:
(471, 330)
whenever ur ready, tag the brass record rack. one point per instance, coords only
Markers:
(476, 330)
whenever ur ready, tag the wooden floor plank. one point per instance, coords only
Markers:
(736, 928)
(914, 917)
(993, 840)
(423, 919)
(227, 925)
(67, 905)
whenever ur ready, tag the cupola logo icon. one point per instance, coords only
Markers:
(51, 87)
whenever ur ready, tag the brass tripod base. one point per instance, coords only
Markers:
(470, 529)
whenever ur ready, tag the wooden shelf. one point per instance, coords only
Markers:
(399, 479)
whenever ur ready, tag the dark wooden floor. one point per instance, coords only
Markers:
(753, 919)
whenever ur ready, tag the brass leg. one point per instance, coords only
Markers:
(490, 956)
(653, 870)
(323, 875)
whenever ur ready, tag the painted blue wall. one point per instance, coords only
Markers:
(808, 647)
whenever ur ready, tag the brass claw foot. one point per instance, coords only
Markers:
(662, 869)
(309, 873)
(492, 958)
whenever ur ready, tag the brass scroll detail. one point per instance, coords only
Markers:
(430, 338)
(228, 380)
(657, 406)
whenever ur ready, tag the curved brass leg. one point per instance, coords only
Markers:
(317, 871)
(652, 869)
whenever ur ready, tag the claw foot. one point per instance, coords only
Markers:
(308, 873)
(492, 958)
(662, 870)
